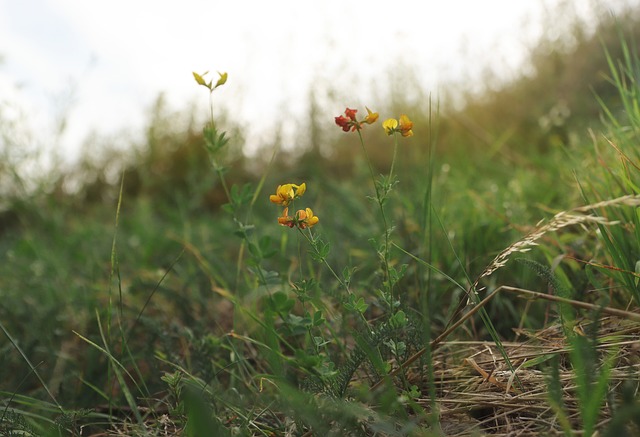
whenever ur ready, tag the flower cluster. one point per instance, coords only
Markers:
(303, 218)
(349, 122)
(285, 194)
(403, 126)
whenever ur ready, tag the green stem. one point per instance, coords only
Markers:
(380, 199)
(395, 153)
(312, 242)
(217, 168)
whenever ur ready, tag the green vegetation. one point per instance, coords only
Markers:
(158, 294)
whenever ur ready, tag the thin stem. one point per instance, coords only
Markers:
(217, 168)
(395, 153)
(312, 242)
(211, 108)
(380, 200)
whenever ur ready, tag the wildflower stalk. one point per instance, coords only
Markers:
(218, 168)
(393, 161)
(380, 197)
(317, 253)
(313, 242)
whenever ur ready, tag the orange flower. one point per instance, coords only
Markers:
(303, 219)
(405, 126)
(285, 220)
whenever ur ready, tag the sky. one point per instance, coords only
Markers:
(99, 66)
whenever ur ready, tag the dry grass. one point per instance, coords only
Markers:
(476, 394)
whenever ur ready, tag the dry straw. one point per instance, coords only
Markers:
(561, 220)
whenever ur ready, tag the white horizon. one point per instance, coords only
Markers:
(100, 66)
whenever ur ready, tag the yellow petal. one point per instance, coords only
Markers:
(301, 189)
(199, 79)
(275, 198)
(311, 219)
(405, 123)
(371, 116)
(390, 125)
(222, 80)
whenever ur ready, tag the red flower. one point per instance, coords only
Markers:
(344, 123)
(351, 113)
(348, 121)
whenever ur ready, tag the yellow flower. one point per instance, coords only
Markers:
(305, 218)
(201, 81)
(390, 126)
(222, 80)
(371, 116)
(405, 126)
(287, 192)
(284, 195)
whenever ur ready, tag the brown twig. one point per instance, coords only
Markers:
(575, 303)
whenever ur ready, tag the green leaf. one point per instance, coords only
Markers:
(398, 320)
(355, 305)
(537, 360)
(267, 247)
(298, 325)
(254, 251)
(281, 302)
(321, 250)
(396, 275)
(307, 361)
(318, 319)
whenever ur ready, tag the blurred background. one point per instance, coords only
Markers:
(87, 90)
(72, 71)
